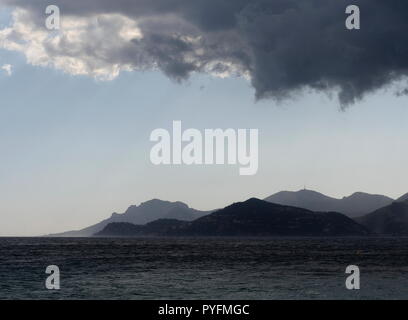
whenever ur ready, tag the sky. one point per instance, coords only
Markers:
(76, 115)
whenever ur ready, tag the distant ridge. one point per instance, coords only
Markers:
(358, 204)
(403, 198)
(391, 220)
(251, 218)
(144, 213)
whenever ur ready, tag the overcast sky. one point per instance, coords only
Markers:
(78, 105)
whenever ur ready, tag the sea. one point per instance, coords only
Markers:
(204, 268)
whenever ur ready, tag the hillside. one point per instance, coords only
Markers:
(252, 218)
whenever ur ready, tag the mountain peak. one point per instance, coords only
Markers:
(307, 191)
(253, 200)
(115, 214)
(158, 202)
(360, 194)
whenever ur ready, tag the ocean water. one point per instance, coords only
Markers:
(203, 268)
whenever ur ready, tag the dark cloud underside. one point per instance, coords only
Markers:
(283, 45)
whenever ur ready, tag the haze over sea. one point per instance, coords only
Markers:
(187, 268)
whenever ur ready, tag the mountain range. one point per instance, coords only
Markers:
(251, 218)
(357, 204)
(144, 213)
(372, 212)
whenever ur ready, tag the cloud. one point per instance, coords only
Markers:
(8, 68)
(282, 46)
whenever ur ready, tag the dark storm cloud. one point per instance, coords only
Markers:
(284, 46)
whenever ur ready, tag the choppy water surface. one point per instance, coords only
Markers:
(203, 268)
